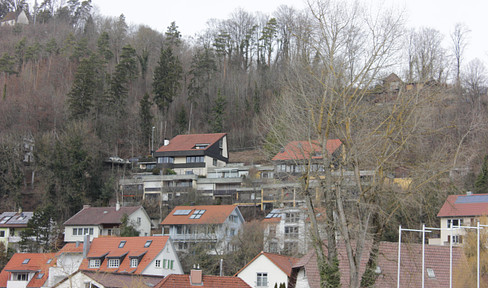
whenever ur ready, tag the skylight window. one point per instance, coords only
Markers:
(5, 219)
(430, 273)
(49, 261)
(200, 146)
(26, 261)
(181, 212)
(40, 275)
(197, 214)
(121, 244)
(148, 243)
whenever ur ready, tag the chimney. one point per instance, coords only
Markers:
(221, 267)
(86, 245)
(117, 206)
(196, 277)
(86, 206)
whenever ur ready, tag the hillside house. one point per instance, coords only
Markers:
(153, 256)
(193, 153)
(11, 226)
(211, 225)
(105, 221)
(267, 270)
(68, 260)
(14, 18)
(27, 270)
(459, 210)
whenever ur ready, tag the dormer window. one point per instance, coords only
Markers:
(134, 262)
(95, 263)
(200, 146)
(113, 263)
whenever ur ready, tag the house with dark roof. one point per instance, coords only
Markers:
(193, 153)
(108, 280)
(11, 225)
(27, 270)
(210, 225)
(153, 255)
(105, 221)
(457, 211)
(305, 272)
(267, 270)
(13, 18)
(197, 279)
(294, 157)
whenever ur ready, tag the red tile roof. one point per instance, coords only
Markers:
(100, 215)
(300, 150)
(71, 248)
(458, 205)
(436, 258)
(183, 281)
(285, 263)
(214, 214)
(114, 280)
(134, 246)
(188, 142)
(38, 263)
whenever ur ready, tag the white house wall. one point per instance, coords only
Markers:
(67, 264)
(78, 280)
(302, 280)
(144, 227)
(168, 253)
(263, 265)
(69, 237)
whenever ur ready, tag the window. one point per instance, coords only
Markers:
(134, 262)
(164, 263)
(262, 279)
(197, 214)
(91, 231)
(40, 275)
(166, 159)
(232, 232)
(179, 229)
(291, 217)
(291, 231)
(5, 219)
(75, 231)
(195, 159)
(214, 162)
(200, 146)
(113, 263)
(95, 263)
(109, 232)
(456, 239)
(158, 263)
(166, 230)
(139, 220)
(233, 218)
(148, 243)
(49, 261)
(22, 277)
(85, 232)
(455, 223)
(430, 273)
(26, 260)
(291, 247)
(122, 244)
(2, 233)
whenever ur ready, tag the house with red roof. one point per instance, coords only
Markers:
(197, 279)
(296, 154)
(267, 270)
(105, 221)
(193, 153)
(153, 255)
(27, 270)
(108, 280)
(68, 260)
(457, 211)
(210, 225)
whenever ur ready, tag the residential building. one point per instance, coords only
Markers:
(210, 225)
(193, 153)
(305, 273)
(267, 270)
(90, 279)
(27, 270)
(68, 261)
(197, 279)
(13, 18)
(11, 226)
(105, 221)
(457, 211)
(153, 255)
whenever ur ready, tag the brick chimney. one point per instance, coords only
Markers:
(196, 277)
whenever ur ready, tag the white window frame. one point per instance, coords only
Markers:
(261, 279)
(134, 262)
(95, 263)
(113, 263)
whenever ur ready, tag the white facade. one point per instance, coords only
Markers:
(457, 233)
(67, 264)
(79, 280)
(265, 270)
(165, 263)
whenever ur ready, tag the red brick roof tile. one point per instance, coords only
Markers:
(100, 215)
(188, 142)
(183, 281)
(478, 207)
(114, 280)
(300, 150)
(214, 214)
(38, 263)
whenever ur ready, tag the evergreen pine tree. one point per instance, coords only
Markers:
(166, 80)
(85, 87)
(218, 114)
(146, 118)
(481, 183)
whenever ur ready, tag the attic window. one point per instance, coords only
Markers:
(197, 214)
(200, 146)
(148, 243)
(49, 261)
(40, 275)
(121, 244)
(430, 273)
(5, 219)
(181, 212)
(26, 261)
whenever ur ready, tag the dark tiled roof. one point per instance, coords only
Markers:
(436, 258)
(183, 281)
(15, 219)
(100, 215)
(477, 207)
(188, 142)
(300, 150)
(214, 214)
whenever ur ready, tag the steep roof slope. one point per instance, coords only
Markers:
(465, 205)
(212, 214)
(183, 281)
(188, 142)
(100, 215)
(285, 263)
(38, 263)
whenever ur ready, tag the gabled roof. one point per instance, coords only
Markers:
(285, 263)
(10, 16)
(115, 280)
(100, 215)
(38, 263)
(183, 281)
(71, 248)
(188, 142)
(302, 150)
(465, 205)
(436, 258)
(15, 219)
(212, 214)
(107, 247)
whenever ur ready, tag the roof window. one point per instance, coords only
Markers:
(148, 243)
(49, 261)
(5, 219)
(181, 212)
(26, 260)
(430, 273)
(40, 275)
(200, 146)
(197, 214)
(121, 244)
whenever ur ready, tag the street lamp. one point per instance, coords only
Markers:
(152, 142)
